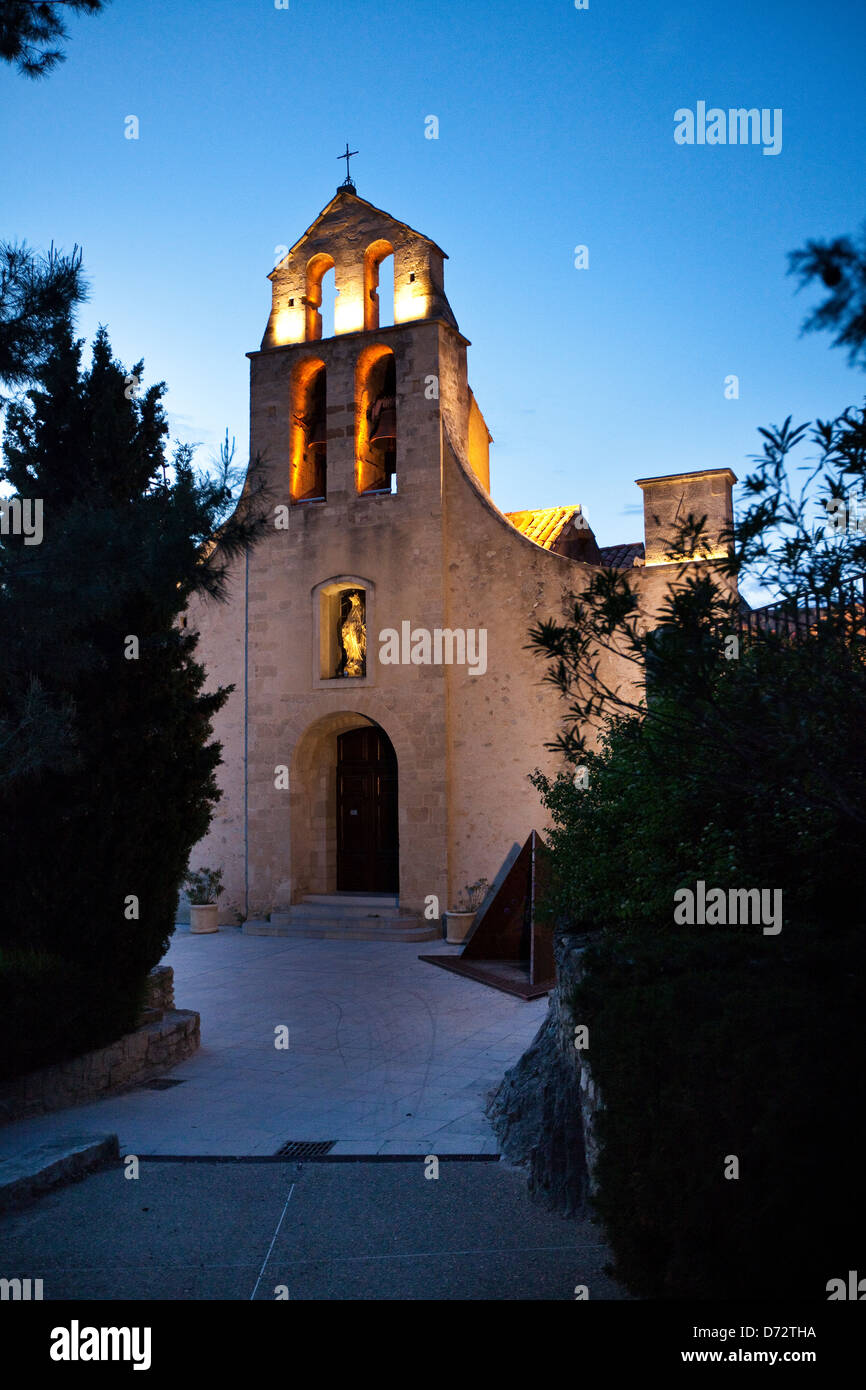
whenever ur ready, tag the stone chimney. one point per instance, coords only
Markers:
(668, 500)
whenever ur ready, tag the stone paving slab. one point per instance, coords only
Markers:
(386, 1054)
(337, 1231)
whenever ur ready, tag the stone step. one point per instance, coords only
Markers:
(29, 1172)
(338, 919)
(333, 922)
(346, 929)
(372, 901)
(314, 912)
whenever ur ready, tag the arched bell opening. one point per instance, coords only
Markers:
(376, 424)
(378, 291)
(317, 268)
(309, 432)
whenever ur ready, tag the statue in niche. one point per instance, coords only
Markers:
(353, 634)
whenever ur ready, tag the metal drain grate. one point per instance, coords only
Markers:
(314, 1149)
(161, 1083)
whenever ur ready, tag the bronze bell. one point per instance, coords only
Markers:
(383, 419)
(317, 433)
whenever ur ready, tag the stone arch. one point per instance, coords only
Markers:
(376, 253)
(317, 268)
(375, 405)
(313, 797)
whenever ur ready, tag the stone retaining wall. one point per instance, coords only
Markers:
(160, 988)
(165, 1037)
(545, 1110)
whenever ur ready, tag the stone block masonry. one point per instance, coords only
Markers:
(166, 1037)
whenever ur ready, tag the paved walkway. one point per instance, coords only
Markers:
(386, 1055)
(349, 1230)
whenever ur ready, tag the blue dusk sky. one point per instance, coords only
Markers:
(556, 130)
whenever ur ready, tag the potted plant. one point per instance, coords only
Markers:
(458, 922)
(203, 888)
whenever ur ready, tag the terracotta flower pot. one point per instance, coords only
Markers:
(203, 918)
(458, 926)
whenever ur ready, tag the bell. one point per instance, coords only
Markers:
(383, 419)
(316, 427)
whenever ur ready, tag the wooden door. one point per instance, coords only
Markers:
(367, 839)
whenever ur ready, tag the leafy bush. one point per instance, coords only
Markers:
(708, 1042)
(742, 768)
(716, 1046)
(203, 886)
(776, 800)
(473, 896)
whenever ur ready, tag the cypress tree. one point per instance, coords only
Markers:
(107, 764)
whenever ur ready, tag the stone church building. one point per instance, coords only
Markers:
(386, 713)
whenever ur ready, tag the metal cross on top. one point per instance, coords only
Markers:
(348, 182)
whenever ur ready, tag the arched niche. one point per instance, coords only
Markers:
(343, 620)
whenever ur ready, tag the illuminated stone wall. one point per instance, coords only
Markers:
(438, 554)
(342, 234)
(667, 500)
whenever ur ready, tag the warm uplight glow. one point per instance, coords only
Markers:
(688, 559)
(410, 303)
(544, 525)
(366, 467)
(348, 313)
(302, 380)
(289, 326)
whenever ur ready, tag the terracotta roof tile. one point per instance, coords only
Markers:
(622, 557)
(544, 525)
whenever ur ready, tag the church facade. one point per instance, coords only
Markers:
(386, 712)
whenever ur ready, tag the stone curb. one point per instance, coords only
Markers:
(27, 1175)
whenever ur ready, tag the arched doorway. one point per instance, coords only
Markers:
(320, 767)
(367, 831)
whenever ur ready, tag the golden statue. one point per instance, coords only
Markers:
(353, 635)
